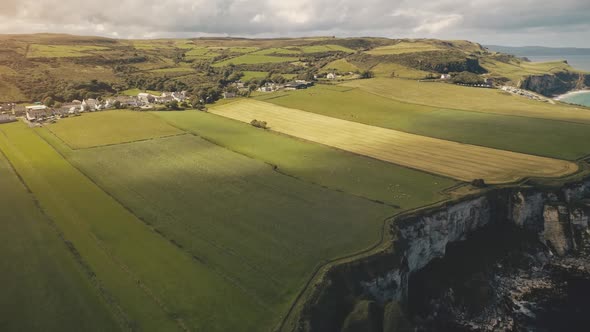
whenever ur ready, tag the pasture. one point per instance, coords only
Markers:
(556, 139)
(109, 127)
(452, 159)
(46, 289)
(341, 65)
(325, 48)
(251, 58)
(152, 284)
(61, 51)
(316, 163)
(254, 228)
(249, 75)
(405, 47)
(276, 50)
(385, 69)
(472, 99)
(516, 70)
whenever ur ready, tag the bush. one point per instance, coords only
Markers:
(259, 124)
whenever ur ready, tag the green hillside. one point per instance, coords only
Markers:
(33, 67)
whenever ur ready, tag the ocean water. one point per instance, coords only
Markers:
(581, 62)
(578, 98)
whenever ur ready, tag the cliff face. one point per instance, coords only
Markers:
(426, 238)
(554, 84)
(559, 218)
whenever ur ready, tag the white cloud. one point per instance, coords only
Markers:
(540, 22)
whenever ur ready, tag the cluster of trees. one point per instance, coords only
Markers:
(46, 89)
(158, 83)
(366, 74)
(467, 78)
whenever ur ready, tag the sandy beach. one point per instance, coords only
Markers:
(571, 93)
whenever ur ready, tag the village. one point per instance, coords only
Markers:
(144, 101)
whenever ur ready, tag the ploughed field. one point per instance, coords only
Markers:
(460, 161)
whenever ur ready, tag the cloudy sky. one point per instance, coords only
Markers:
(505, 22)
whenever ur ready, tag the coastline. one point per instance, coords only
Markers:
(571, 93)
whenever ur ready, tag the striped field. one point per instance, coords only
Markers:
(456, 160)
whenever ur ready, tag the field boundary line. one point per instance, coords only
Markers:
(514, 180)
(111, 144)
(179, 321)
(156, 230)
(122, 317)
(380, 245)
(278, 169)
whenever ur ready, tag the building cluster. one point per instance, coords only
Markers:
(290, 86)
(39, 112)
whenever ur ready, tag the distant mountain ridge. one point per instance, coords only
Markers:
(539, 50)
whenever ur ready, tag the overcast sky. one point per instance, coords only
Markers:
(504, 22)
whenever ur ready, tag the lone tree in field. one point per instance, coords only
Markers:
(367, 74)
(259, 124)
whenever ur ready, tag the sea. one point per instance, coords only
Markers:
(581, 62)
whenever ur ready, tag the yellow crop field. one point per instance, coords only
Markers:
(456, 160)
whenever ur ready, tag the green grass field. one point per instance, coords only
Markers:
(155, 285)
(61, 51)
(276, 50)
(341, 65)
(517, 70)
(255, 59)
(109, 127)
(390, 69)
(248, 75)
(316, 163)
(325, 48)
(253, 227)
(46, 289)
(452, 96)
(404, 47)
(557, 139)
